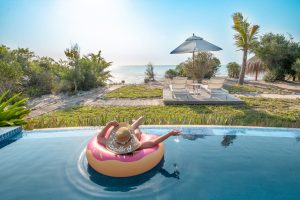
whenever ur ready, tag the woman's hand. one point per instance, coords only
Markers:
(174, 132)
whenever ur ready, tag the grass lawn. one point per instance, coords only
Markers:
(256, 112)
(135, 91)
(233, 89)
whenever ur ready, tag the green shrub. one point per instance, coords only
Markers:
(205, 65)
(273, 75)
(233, 69)
(278, 53)
(171, 73)
(149, 73)
(12, 114)
(296, 68)
(22, 71)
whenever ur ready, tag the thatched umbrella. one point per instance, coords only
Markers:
(255, 66)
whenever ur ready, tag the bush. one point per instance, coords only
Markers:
(296, 68)
(11, 73)
(12, 115)
(171, 73)
(273, 75)
(22, 71)
(205, 66)
(233, 69)
(149, 73)
(279, 54)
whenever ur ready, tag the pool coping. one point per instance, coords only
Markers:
(7, 135)
(172, 126)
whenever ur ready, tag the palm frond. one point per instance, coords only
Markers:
(12, 114)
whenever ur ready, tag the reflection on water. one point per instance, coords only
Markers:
(192, 137)
(130, 183)
(228, 140)
(231, 136)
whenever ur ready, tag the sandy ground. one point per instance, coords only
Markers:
(271, 96)
(292, 88)
(48, 103)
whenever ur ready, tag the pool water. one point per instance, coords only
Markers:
(204, 163)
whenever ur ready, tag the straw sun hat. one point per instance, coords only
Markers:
(122, 140)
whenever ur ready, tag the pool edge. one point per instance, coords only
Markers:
(4, 137)
(170, 126)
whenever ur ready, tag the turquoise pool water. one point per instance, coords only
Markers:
(204, 163)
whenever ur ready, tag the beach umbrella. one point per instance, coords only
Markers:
(195, 44)
(255, 66)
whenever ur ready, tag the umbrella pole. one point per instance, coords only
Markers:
(193, 64)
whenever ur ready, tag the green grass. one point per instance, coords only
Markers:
(135, 91)
(256, 112)
(233, 89)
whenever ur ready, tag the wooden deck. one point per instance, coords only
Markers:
(202, 98)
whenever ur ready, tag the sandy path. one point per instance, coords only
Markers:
(48, 103)
(271, 96)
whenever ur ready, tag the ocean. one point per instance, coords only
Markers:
(136, 73)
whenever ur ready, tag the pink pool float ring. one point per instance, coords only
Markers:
(111, 164)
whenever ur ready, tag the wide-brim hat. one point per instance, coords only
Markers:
(122, 147)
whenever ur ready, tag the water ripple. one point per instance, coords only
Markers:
(89, 182)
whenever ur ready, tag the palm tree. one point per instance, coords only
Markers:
(245, 39)
(255, 66)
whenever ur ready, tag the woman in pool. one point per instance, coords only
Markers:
(125, 138)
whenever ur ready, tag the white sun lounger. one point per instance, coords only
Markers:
(178, 87)
(214, 87)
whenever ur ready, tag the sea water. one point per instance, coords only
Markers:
(136, 73)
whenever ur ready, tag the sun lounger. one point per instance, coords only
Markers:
(214, 87)
(178, 87)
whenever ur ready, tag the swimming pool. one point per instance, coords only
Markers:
(205, 163)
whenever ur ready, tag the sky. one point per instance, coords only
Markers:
(135, 32)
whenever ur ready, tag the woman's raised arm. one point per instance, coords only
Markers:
(153, 142)
(101, 134)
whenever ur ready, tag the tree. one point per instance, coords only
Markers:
(296, 68)
(245, 39)
(22, 71)
(149, 73)
(86, 72)
(94, 68)
(11, 73)
(75, 74)
(205, 66)
(278, 53)
(233, 69)
(43, 76)
(181, 70)
(171, 73)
